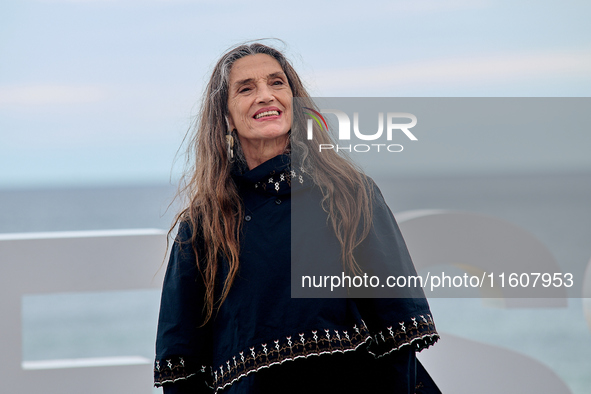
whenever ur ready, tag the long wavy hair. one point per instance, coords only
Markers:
(212, 204)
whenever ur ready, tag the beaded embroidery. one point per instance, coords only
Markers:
(173, 369)
(278, 181)
(418, 332)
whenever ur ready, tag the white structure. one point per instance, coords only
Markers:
(42, 263)
(482, 244)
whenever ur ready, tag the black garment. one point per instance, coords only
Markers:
(261, 340)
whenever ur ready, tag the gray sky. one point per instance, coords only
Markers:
(102, 91)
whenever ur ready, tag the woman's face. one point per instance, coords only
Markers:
(259, 100)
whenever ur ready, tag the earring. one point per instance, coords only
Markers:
(230, 145)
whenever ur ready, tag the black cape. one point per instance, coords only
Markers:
(261, 336)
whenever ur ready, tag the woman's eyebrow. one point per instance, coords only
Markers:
(250, 80)
(243, 81)
(276, 74)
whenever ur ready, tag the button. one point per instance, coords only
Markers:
(247, 218)
(278, 201)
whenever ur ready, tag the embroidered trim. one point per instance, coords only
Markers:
(279, 180)
(173, 369)
(418, 332)
(302, 345)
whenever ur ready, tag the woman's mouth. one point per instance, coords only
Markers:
(267, 113)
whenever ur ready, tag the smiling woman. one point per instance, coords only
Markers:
(259, 106)
(227, 320)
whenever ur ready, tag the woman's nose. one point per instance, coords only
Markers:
(265, 94)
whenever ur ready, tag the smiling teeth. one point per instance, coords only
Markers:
(268, 113)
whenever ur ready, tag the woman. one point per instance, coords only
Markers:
(260, 195)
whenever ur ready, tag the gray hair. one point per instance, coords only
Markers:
(218, 86)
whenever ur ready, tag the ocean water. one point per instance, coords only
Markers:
(556, 208)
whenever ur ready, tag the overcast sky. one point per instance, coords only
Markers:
(102, 91)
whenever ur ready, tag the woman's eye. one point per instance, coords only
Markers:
(243, 90)
(278, 82)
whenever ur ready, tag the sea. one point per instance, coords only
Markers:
(554, 207)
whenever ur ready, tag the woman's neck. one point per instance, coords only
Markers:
(259, 151)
